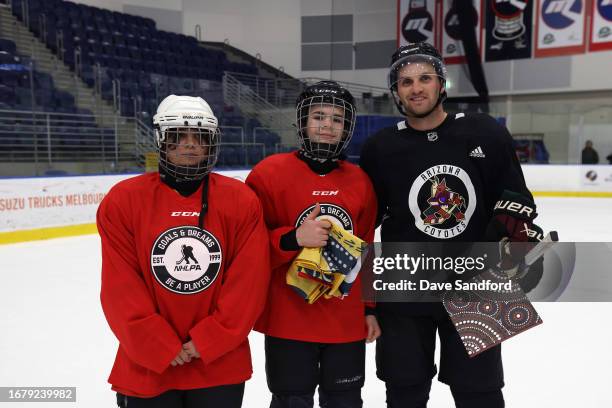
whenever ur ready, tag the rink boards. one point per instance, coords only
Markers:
(44, 208)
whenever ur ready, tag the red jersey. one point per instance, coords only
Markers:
(289, 190)
(165, 281)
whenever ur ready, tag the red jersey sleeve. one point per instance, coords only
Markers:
(278, 256)
(145, 336)
(244, 287)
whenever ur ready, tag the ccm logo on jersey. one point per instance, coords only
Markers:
(325, 192)
(184, 214)
(514, 207)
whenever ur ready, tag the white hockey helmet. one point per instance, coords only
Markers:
(176, 117)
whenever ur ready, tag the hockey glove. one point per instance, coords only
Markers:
(512, 222)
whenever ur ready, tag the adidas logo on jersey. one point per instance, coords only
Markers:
(477, 152)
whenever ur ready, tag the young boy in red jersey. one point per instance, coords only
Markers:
(321, 343)
(185, 270)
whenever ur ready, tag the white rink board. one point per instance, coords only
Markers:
(568, 178)
(51, 202)
(32, 203)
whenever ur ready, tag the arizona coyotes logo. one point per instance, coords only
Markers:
(442, 200)
(443, 204)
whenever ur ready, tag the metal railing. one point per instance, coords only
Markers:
(232, 153)
(242, 154)
(254, 106)
(279, 92)
(356, 89)
(144, 141)
(144, 138)
(261, 133)
(50, 138)
(283, 92)
(25, 10)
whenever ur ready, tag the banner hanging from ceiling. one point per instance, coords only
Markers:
(508, 29)
(452, 46)
(601, 25)
(560, 27)
(417, 21)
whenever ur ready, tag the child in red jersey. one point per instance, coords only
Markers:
(322, 343)
(185, 270)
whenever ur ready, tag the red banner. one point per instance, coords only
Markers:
(601, 25)
(561, 27)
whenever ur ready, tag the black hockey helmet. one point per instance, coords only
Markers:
(421, 52)
(323, 100)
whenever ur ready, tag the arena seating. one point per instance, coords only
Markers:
(365, 126)
(147, 63)
(15, 86)
(128, 48)
(20, 129)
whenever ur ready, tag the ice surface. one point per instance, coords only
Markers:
(54, 332)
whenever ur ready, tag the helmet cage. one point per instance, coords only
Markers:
(322, 109)
(181, 165)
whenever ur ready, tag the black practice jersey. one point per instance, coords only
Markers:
(441, 184)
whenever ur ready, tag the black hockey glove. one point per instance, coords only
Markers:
(512, 222)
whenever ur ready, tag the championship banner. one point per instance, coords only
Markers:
(452, 46)
(508, 29)
(601, 25)
(560, 27)
(417, 21)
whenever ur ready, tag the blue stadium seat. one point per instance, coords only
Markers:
(24, 97)
(7, 93)
(15, 77)
(8, 46)
(63, 99)
(43, 80)
(129, 48)
(7, 58)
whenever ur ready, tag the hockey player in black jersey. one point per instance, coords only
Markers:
(438, 177)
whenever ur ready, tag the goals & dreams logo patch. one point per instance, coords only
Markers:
(186, 260)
